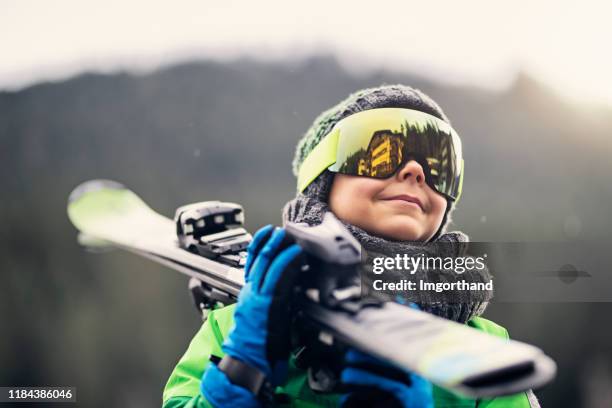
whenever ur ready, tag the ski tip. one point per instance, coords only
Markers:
(93, 185)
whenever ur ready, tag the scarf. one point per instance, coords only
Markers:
(456, 305)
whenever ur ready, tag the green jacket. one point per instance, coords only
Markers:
(183, 387)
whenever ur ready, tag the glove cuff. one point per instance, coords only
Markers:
(220, 392)
(245, 375)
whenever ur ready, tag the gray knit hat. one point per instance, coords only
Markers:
(386, 96)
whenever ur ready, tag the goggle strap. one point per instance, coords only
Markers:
(321, 157)
(460, 189)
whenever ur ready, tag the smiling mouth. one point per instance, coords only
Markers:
(407, 199)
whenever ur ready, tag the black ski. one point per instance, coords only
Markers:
(206, 241)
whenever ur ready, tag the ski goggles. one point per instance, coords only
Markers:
(378, 142)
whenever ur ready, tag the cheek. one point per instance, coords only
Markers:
(438, 206)
(351, 197)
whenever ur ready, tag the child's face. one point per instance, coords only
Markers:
(380, 207)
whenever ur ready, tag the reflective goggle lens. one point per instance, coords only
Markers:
(375, 143)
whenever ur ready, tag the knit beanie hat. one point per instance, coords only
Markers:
(386, 96)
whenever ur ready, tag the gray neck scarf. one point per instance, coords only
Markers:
(459, 306)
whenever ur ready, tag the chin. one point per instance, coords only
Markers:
(403, 231)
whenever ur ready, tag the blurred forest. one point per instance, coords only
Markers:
(114, 326)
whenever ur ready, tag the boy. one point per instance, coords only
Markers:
(389, 197)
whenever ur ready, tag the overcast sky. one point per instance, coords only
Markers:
(563, 43)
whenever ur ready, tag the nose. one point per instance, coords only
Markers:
(412, 170)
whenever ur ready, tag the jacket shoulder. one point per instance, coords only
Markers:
(185, 378)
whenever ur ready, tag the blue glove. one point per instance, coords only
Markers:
(261, 335)
(376, 383)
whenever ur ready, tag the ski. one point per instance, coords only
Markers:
(206, 243)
